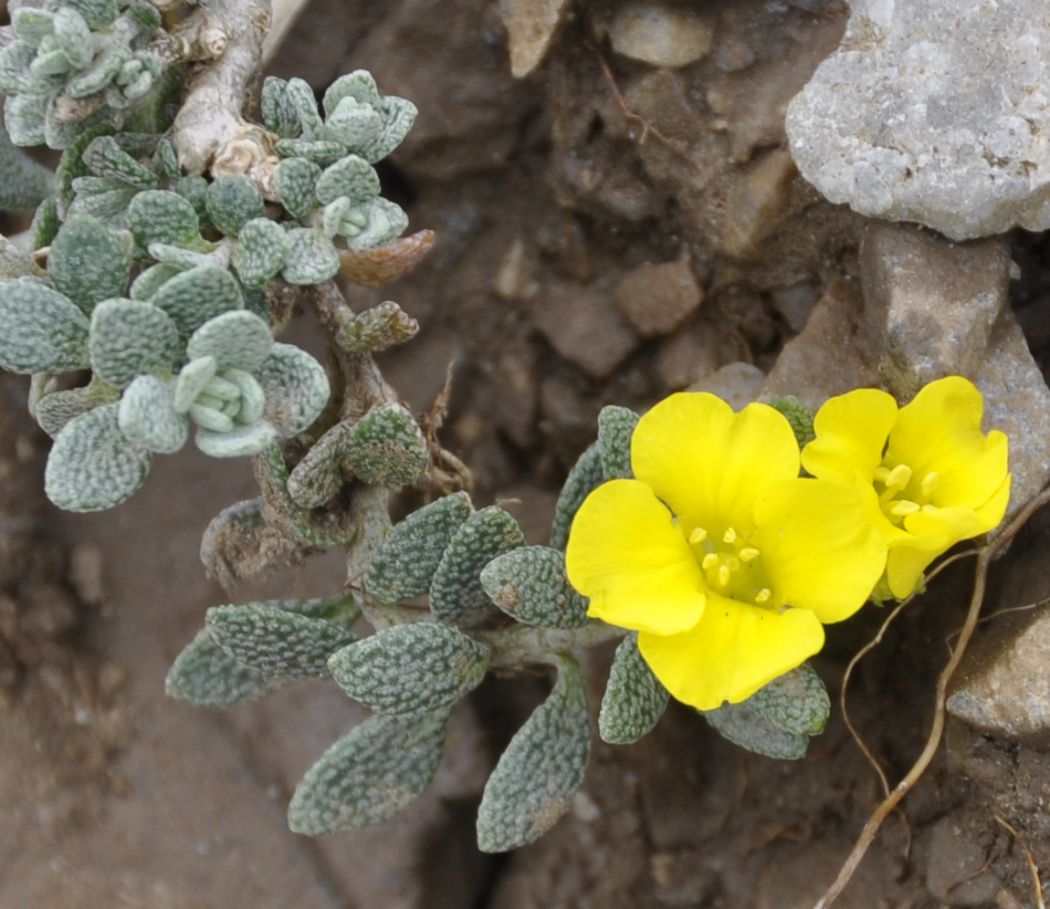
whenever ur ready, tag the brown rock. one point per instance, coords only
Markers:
(658, 298)
(584, 326)
(737, 383)
(531, 28)
(661, 35)
(757, 201)
(686, 357)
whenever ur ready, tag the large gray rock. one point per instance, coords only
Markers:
(933, 111)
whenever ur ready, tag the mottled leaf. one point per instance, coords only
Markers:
(529, 584)
(206, 676)
(147, 416)
(797, 702)
(296, 388)
(352, 177)
(130, 338)
(744, 725)
(193, 297)
(386, 447)
(585, 476)
(615, 428)
(261, 251)
(231, 202)
(311, 257)
(42, 330)
(88, 262)
(159, 216)
(237, 340)
(634, 699)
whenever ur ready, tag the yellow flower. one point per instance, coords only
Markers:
(928, 474)
(723, 560)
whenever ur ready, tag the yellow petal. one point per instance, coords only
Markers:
(929, 534)
(626, 553)
(819, 549)
(709, 463)
(940, 430)
(851, 432)
(733, 651)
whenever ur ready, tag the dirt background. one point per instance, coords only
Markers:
(551, 197)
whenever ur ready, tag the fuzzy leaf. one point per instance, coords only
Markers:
(206, 676)
(97, 13)
(301, 96)
(543, 766)
(151, 280)
(261, 251)
(586, 475)
(352, 177)
(193, 297)
(386, 447)
(32, 25)
(410, 669)
(88, 262)
(353, 124)
(237, 340)
(383, 221)
(24, 120)
(615, 428)
(296, 388)
(241, 442)
(102, 71)
(92, 466)
(360, 85)
(45, 224)
(295, 179)
(311, 258)
(23, 182)
(53, 411)
(319, 152)
(276, 641)
(191, 381)
(318, 476)
(147, 416)
(368, 775)
(744, 725)
(278, 112)
(797, 702)
(799, 416)
(194, 189)
(130, 338)
(529, 584)
(179, 257)
(233, 201)
(42, 330)
(456, 594)
(398, 116)
(634, 699)
(404, 565)
(105, 158)
(159, 216)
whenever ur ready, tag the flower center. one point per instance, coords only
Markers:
(731, 565)
(902, 493)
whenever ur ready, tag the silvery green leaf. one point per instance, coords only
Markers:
(206, 676)
(147, 416)
(261, 251)
(97, 13)
(615, 428)
(73, 37)
(241, 442)
(54, 410)
(353, 124)
(799, 416)
(529, 584)
(404, 565)
(797, 702)
(105, 158)
(320, 153)
(352, 177)
(398, 116)
(88, 262)
(130, 338)
(193, 297)
(744, 725)
(43, 331)
(385, 221)
(151, 280)
(168, 159)
(276, 641)
(456, 594)
(91, 465)
(159, 216)
(61, 131)
(360, 85)
(252, 396)
(544, 764)
(334, 213)
(296, 388)
(311, 258)
(24, 120)
(318, 477)
(179, 257)
(45, 224)
(32, 25)
(107, 205)
(145, 14)
(237, 340)
(386, 447)
(194, 189)
(410, 669)
(295, 179)
(634, 698)
(192, 379)
(23, 182)
(279, 114)
(232, 201)
(53, 62)
(587, 474)
(15, 77)
(102, 71)
(301, 96)
(369, 775)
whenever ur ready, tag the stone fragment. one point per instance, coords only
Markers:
(658, 298)
(737, 383)
(957, 871)
(686, 357)
(757, 202)
(585, 328)
(531, 28)
(795, 302)
(935, 112)
(661, 35)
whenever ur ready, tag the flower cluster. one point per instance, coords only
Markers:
(728, 563)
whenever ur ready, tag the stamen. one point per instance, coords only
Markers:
(749, 553)
(729, 536)
(882, 474)
(899, 476)
(763, 595)
(709, 562)
(723, 575)
(904, 507)
(929, 482)
(698, 535)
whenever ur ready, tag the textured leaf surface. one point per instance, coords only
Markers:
(318, 475)
(634, 699)
(241, 442)
(311, 257)
(530, 585)
(130, 338)
(193, 297)
(586, 475)
(797, 702)
(231, 202)
(456, 594)
(276, 641)
(237, 340)
(352, 177)
(88, 262)
(296, 388)
(43, 331)
(147, 416)
(319, 151)
(159, 216)
(543, 766)
(615, 428)
(799, 416)
(260, 252)
(92, 466)
(296, 179)
(404, 565)
(105, 158)
(368, 775)
(23, 182)
(386, 447)
(278, 112)
(53, 411)
(205, 675)
(744, 725)
(410, 669)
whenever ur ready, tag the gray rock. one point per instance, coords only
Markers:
(933, 111)
(658, 298)
(738, 383)
(661, 35)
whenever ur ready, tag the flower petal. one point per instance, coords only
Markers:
(627, 554)
(819, 549)
(930, 533)
(709, 463)
(733, 651)
(851, 432)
